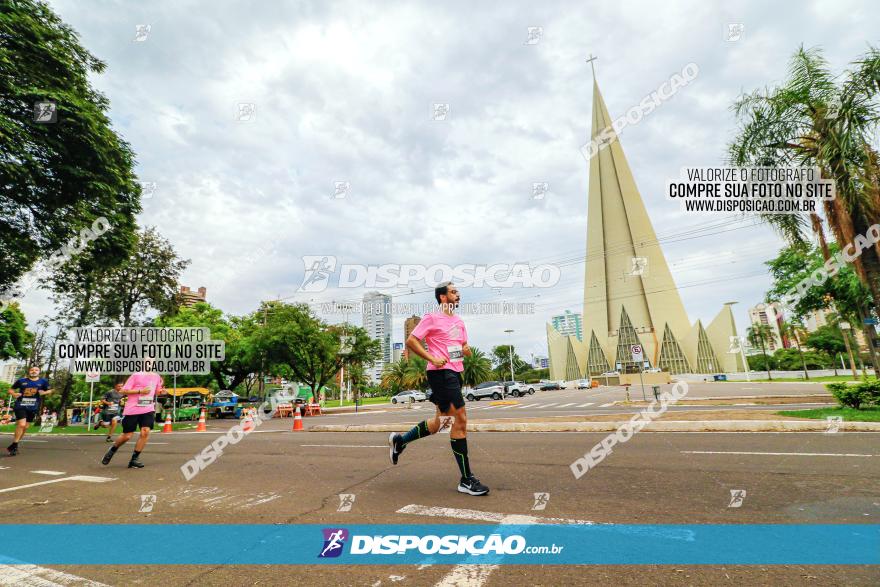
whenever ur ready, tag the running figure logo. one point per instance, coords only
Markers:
(833, 423)
(318, 269)
(541, 500)
(334, 541)
(445, 424)
(736, 498)
(346, 500)
(147, 503)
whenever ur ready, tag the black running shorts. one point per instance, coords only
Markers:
(445, 389)
(133, 422)
(22, 414)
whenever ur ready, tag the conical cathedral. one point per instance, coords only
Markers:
(629, 295)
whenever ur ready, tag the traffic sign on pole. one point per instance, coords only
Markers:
(636, 351)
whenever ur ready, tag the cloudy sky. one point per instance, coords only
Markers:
(344, 91)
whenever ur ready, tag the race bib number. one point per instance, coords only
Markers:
(144, 401)
(454, 351)
(113, 408)
(28, 402)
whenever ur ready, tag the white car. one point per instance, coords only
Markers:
(409, 396)
(582, 384)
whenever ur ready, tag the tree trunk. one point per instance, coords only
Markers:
(766, 360)
(797, 343)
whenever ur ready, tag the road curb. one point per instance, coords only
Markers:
(658, 426)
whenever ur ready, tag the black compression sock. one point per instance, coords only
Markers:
(420, 430)
(135, 455)
(459, 450)
(114, 448)
(13, 445)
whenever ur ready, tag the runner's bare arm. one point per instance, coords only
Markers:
(466, 350)
(46, 391)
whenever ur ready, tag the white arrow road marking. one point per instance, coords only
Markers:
(477, 575)
(34, 576)
(86, 478)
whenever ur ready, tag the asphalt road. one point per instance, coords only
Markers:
(275, 476)
(585, 402)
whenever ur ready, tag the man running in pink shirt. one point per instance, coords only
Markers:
(139, 412)
(446, 337)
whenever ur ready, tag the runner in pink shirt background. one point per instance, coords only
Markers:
(139, 412)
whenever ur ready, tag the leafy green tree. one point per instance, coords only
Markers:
(56, 178)
(818, 119)
(477, 368)
(88, 292)
(793, 331)
(291, 337)
(241, 356)
(845, 292)
(416, 375)
(760, 336)
(500, 358)
(394, 375)
(813, 119)
(14, 335)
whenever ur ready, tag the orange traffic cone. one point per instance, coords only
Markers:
(297, 421)
(202, 427)
(167, 426)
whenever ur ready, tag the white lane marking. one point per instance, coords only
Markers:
(4, 467)
(29, 440)
(86, 478)
(528, 406)
(467, 576)
(463, 514)
(53, 473)
(777, 454)
(607, 405)
(507, 407)
(566, 405)
(586, 404)
(34, 576)
(477, 575)
(350, 445)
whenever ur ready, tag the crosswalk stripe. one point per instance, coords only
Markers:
(586, 404)
(530, 406)
(566, 405)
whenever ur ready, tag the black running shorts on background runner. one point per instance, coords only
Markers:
(133, 422)
(445, 388)
(22, 414)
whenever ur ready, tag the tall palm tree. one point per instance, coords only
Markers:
(393, 376)
(415, 375)
(793, 330)
(759, 335)
(812, 120)
(477, 368)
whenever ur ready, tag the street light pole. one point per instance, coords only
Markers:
(510, 349)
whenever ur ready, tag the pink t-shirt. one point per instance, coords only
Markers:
(142, 403)
(445, 335)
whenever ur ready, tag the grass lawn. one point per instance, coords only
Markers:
(365, 401)
(827, 379)
(79, 429)
(871, 414)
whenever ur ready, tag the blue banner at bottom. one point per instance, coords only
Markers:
(382, 544)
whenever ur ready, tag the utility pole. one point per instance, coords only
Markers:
(510, 349)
